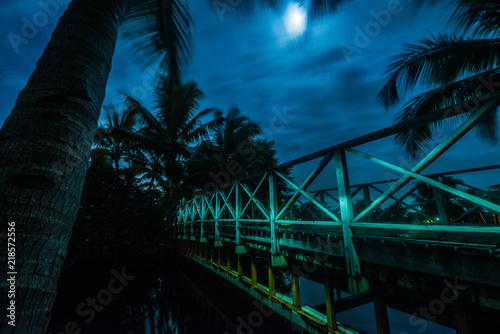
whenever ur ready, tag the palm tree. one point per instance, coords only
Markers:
(45, 143)
(115, 139)
(457, 69)
(172, 128)
(426, 200)
(231, 146)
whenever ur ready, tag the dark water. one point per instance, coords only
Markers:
(185, 297)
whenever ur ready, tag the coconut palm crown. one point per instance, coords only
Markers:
(454, 68)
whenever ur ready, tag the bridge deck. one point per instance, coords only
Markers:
(406, 236)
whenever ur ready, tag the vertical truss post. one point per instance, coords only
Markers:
(276, 259)
(184, 229)
(216, 218)
(438, 197)
(202, 216)
(272, 213)
(237, 213)
(352, 261)
(192, 229)
(367, 199)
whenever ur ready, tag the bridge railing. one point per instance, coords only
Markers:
(264, 207)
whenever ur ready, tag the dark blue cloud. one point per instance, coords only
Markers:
(249, 62)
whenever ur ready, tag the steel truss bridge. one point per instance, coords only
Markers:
(441, 264)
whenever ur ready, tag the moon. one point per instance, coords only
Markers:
(295, 20)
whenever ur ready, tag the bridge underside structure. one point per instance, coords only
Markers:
(426, 244)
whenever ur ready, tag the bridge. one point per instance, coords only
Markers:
(427, 244)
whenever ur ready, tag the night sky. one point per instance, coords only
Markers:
(253, 62)
(309, 86)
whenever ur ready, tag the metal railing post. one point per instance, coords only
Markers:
(272, 213)
(237, 213)
(346, 213)
(216, 218)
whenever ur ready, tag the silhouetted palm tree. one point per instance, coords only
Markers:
(116, 137)
(171, 128)
(232, 146)
(455, 68)
(426, 200)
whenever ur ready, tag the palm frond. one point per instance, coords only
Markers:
(161, 30)
(440, 60)
(461, 94)
(144, 115)
(478, 16)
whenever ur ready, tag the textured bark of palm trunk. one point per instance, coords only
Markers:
(44, 151)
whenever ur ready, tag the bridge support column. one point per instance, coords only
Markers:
(219, 257)
(271, 279)
(381, 316)
(295, 290)
(228, 260)
(240, 266)
(205, 249)
(330, 306)
(253, 272)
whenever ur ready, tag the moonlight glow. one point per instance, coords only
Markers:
(295, 20)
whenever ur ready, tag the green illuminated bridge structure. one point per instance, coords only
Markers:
(417, 241)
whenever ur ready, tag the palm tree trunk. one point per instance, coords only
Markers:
(44, 151)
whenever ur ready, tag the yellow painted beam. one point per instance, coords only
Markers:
(254, 271)
(296, 290)
(240, 266)
(271, 279)
(331, 315)
(219, 257)
(228, 267)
